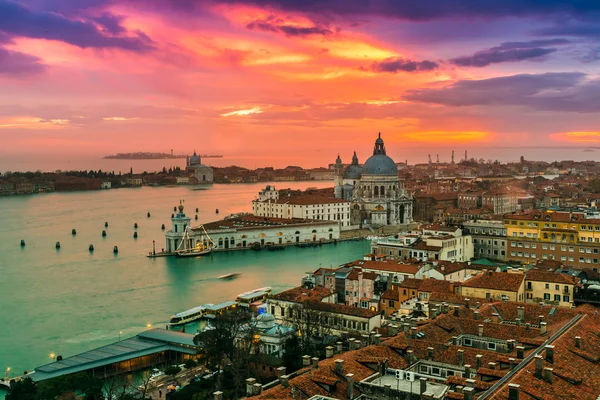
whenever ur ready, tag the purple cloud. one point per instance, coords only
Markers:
(17, 20)
(288, 30)
(395, 64)
(111, 23)
(509, 52)
(564, 91)
(16, 63)
(430, 9)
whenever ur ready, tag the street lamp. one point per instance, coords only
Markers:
(149, 326)
(7, 371)
(120, 333)
(52, 356)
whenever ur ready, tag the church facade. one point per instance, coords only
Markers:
(198, 172)
(377, 196)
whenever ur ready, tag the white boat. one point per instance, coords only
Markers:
(203, 244)
(229, 276)
(266, 289)
(187, 316)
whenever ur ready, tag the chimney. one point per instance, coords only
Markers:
(338, 347)
(413, 322)
(548, 374)
(542, 328)
(468, 303)
(218, 395)
(461, 357)
(328, 351)
(513, 391)
(510, 343)
(468, 393)
(377, 339)
(433, 313)
(339, 366)
(413, 333)
(480, 330)
(477, 305)
(520, 352)
(257, 389)
(478, 358)
(492, 365)
(578, 342)
(470, 383)
(540, 318)
(476, 315)
(550, 354)
(305, 360)
(445, 307)
(315, 362)
(512, 362)
(280, 372)
(350, 379)
(422, 385)
(521, 313)
(518, 321)
(406, 327)
(454, 340)
(467, 371)
(455, 311)
(284, 380)
(430, 353)
(250, 386)
(372, 337)
(393, 330)
(366, 340)
(495, 318)
(538, 366)
(410, 354)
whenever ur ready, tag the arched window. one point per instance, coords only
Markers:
(376, 191)
(382, 191)
(545, 236)
(314, 231)
(297, 232)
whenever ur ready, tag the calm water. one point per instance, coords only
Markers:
(69, 301)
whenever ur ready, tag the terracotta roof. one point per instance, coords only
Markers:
(353, 276)
(449, 267)
(301, 294)
(386, 265)
(435, 285)
(424, 246)
(391, 295)
(496, 280)
(552, 216)
(342, 309)
(455, 299)
(546, 276)
(410, 283)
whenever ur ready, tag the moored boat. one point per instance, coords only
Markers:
(187, 316)
(203, 246)
(229, 276)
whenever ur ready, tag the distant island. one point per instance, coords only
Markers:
(153, 156)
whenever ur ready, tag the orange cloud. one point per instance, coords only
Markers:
(577, 137)
(441, 137)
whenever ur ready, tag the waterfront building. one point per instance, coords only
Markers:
(314, 205)
(194, 167)
(489, 238)
(433, 242)
(567, 237)
(148, 349)
(391, 271)
(429, 205)
(377, 196)
(452, 271)
(318, 306)
(244, 231)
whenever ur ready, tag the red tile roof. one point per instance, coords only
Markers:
(496, 280)
(301, 294)
(539, 275)
(433, 285)
(342, 309)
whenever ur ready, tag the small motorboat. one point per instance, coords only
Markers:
(135, 235)
(103, 233)
(106, 224)
(255, 246)
(58, 245)
(73, 232)
(162, 227)
(115, 249)
(148, 214)
(232, 275)
(22, 243)
(217, 211)
(91, 248)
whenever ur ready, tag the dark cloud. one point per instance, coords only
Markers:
(580, 29)
(566, 91)
(288, 30)
(487, 57)
(17, 20)
(16, 63)
(430, 9)
(394, 64)
(510, 52)
(111, 23)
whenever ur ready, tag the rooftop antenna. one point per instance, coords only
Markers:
(438, 158)
(429, 158)
(452, 156)
(466, 156)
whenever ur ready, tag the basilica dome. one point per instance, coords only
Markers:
(379, 163)
(194, 160)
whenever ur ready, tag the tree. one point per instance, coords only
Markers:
(189, 363)
(292, 354)
(313, 326)
(22, 390)
(172, 370)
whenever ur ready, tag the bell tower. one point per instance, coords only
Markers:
(339, 177)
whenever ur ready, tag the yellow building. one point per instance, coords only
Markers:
(562, 236)
(550, 288)
(495, 285)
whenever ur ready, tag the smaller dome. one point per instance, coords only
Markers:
(194, 160)
(353, 172)
(338, 161)
(265, 321)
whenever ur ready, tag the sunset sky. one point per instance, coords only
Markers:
(297, 81)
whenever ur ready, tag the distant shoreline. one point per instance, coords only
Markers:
(153, 156)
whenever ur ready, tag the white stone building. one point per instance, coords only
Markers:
(270, 203)
(378, 197)
(244, 231)
(203, 174)
(267, 336)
